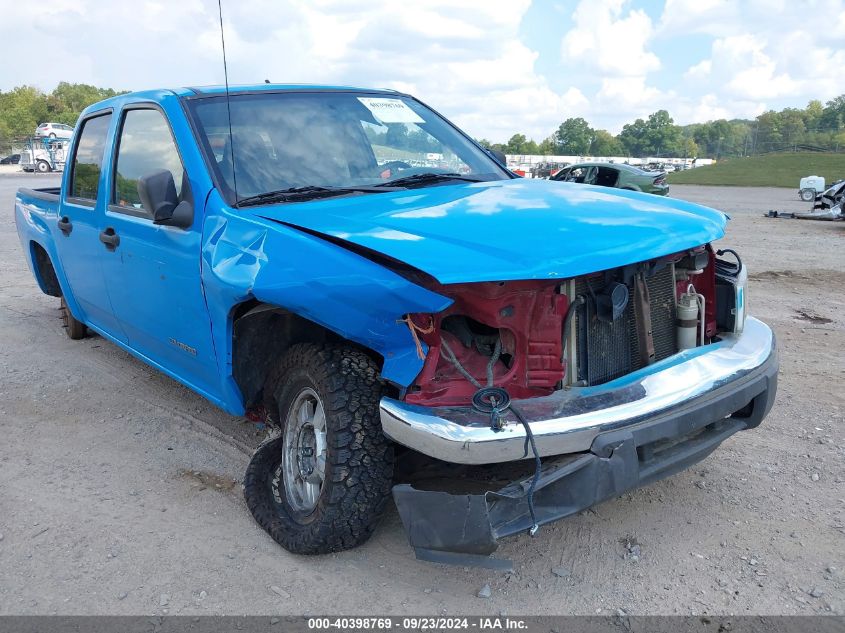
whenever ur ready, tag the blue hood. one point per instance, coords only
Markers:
(509, 229)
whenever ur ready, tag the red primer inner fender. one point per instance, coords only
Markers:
(529, 316)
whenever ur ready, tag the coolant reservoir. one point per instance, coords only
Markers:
(687, 321)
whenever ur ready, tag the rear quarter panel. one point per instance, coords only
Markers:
(36, 214)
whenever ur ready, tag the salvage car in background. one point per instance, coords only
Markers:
(498, 352)
(617, 175)
(54, 130)
(11, 159)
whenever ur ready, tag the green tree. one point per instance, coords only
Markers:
(633, 137)
(547, 146)
(520, 144)
(574, 137)
(605, 144)
(833, 114)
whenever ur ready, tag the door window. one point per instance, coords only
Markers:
(88, 161)
(146, 145)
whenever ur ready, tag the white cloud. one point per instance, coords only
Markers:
(605, 39)
(700, 70)
(712, 17)
(466, 58)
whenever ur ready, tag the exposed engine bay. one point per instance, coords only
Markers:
(531, 338)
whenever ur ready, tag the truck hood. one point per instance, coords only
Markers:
(509, 229)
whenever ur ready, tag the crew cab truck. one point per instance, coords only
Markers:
(496, 352)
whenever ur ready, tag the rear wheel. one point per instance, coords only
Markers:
(807, 194)
(75, 329)
(322, 485)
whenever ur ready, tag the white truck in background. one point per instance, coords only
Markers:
(44, 154)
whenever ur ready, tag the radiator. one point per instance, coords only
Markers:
(605, 351)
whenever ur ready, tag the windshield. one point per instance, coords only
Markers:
(332, 140)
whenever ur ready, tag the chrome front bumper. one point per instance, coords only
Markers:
(569, 420)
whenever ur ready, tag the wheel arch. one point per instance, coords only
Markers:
(262, 332)
(45, 273)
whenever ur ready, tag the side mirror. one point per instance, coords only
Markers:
(157, 191)
(499, 156)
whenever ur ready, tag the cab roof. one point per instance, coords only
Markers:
(265, 87)
(211, 91)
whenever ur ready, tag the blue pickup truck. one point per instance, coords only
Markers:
(411, 317)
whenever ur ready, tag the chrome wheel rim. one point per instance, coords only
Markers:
(304, 447)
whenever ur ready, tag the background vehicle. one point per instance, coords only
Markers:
(572, 342)
(44, 155)
(11, 159)
(546, 169)
(616, 175)
(54, 130)
(809, 187)
(831, 197)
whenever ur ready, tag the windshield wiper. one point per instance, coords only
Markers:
(301, 194)
(426, 178)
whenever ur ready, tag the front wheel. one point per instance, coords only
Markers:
(322, 484)
(42, 166)
(807, 194)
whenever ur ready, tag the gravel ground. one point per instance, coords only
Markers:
(121, 489)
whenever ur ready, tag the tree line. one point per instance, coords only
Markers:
(814, 128)
(23, 108)
(819, 127)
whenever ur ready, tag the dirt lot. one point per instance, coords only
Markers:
(121, 494)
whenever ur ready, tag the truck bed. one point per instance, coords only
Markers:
(49, 194)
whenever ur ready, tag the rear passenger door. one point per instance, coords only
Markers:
(153, 273)
(78, 238)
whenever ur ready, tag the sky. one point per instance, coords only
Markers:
(494, 67)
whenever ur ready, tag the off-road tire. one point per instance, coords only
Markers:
(75, 329)
(359, 458)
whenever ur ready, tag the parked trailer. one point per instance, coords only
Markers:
(809, 187)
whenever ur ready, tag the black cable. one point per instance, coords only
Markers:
(495, 401)
(538, 464)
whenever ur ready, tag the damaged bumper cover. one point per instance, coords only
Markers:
(606, 440)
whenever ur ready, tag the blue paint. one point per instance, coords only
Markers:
(510, 229)
(167, 295)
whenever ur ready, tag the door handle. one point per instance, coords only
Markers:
(65, 226)
(109, 238)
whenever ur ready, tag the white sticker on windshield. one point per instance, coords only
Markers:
(391, 110)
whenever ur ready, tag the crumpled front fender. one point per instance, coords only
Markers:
(246, 257)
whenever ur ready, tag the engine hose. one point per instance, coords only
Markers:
(738, 264)
(577, 301)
